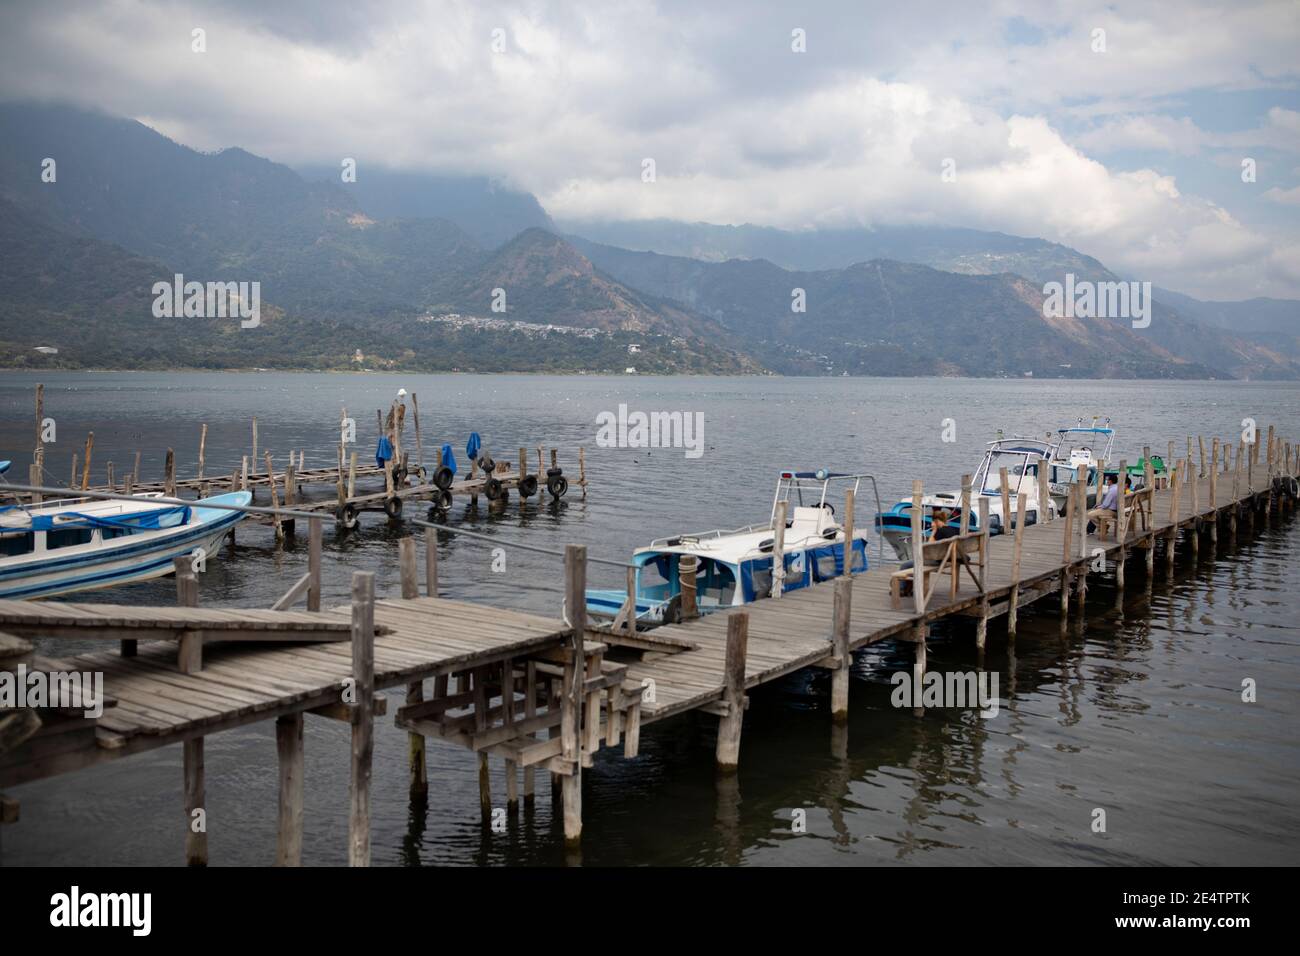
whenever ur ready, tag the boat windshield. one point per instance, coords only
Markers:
(1019, 461)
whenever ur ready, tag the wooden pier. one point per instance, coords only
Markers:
(551, 693)
(402, 478)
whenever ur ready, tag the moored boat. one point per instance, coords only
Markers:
(1021, 457)
(735, 566)
(72, 545)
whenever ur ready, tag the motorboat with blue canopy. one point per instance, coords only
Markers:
(1074, 447)
(1020, 456)
(739, 565)
(70, 545)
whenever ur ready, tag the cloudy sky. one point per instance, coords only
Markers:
(1120, 129)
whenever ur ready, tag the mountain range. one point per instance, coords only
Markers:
(435, 272)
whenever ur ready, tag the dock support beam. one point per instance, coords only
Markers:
(843, 657)
(196, 827)
(733, 693)
(288, 745)
(575, 581)
(363, 676)
(409, 568)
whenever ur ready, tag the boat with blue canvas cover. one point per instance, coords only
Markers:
(71, 545)
(1075, 447)
(735, 566)
(1021, 457)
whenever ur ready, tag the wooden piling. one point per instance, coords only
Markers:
(38, 455)
(849, 505)
(842, 613)
(190, 647)
(778, 549)
(530, 712)
(275, 501)
(408, 566)
(314, 535)
(687, 564)
(196, 825)
(85, 467)
(1121, 524)
(733, 694)
(289, 750)
(1014, 598)
(918, 548)
(203, 447)
(190, 661)
(1172, 536)
(575, 581)
(419, 441)
(982, 622)
(169, 475)
(363, 676)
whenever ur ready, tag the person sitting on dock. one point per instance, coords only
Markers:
(940, 528)
(1109, 506)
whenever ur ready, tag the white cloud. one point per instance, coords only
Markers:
(741, 128)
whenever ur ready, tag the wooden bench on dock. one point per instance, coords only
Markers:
(952, 554)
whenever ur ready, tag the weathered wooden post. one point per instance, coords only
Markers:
(203, 448)
(1214, 491)
(254, 455)
(918, 550)
(408, 566)
(363, 678)
(1006, 501)
(314, 533)
(34, 479)
(842, 613)
(1081, 513)
(778, 550)
(1171, 540)
(275, 501)
(1044, 494)
(733, 692)
(85, 467)
(1013, 599)
(289, 750)
(575, 603)
(38, 456)
(1066, 542)
(687, 564)
(849, 505)
(982, 623)
(190, 661)
(1121, 525)
(918, 590)
(169, 475)
(1195, 482)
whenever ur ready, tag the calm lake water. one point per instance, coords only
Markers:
(1138, 711)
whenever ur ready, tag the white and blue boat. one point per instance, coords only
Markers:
(1075, 447)
(1021, 457)
(735, 566)
(81, 544)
